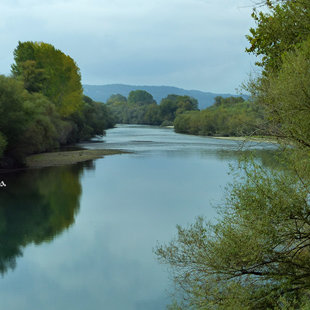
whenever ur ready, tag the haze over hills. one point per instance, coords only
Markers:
(103, 92)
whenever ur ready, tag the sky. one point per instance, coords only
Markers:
(192, 44)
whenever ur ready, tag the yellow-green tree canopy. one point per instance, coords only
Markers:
(46, 69)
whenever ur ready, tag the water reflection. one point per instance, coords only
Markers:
(129, 202)
(35, 206)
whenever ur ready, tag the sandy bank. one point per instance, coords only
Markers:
(251, 139)
(66, 158)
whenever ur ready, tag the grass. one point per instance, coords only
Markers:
(66, 158)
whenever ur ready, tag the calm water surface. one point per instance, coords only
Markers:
(81, 236)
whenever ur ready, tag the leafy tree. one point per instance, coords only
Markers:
(258, 253)
(46, 69)
(152, 115)
(119, 108)
(41, 107)
(232, 116)
(13, 119)
(173, 105)
(285, 96)
(285, 25)
(92, 120)
(140, 97)
(116, 98)
(32, 77)
(3, 144)
(140, 108)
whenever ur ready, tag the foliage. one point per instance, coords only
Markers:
(285, 96)
(285, 25)
(140, 98)
(116, 98)
(43, 68)
(13, 117)
(257, 254)
(232, 116)
(92, 120)
(3, 144)
(41, 107)
(152, 115)
(140, 108)
(174, 105)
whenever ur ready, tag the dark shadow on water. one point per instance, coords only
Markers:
(35, 206)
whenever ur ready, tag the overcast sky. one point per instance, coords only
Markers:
(193, 44)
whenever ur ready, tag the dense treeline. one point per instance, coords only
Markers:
(42, 104)
(232, 116)
(257, 256)
(141, 108)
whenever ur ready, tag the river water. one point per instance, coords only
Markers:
(82, 236)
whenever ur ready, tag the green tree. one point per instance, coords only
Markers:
(140, 97)
(152, 115)
(285, 25)
(3, 144)
(46, 69)
(285, 96)
(258, 253)
(116, 98)
(232, 116)
(32, 77)
(13, 119)
(174, 105)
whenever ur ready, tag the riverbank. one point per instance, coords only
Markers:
(67, 157)
(251, 139)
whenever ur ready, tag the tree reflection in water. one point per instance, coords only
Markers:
(36, 206)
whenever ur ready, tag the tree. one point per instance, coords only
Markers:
(13, 119)
(140, 97)
(48, 70)
(116, 98)
(173, 105)
(3, 144)
(152, 115)
(285, 96)
(285, 25)
(232, 116)
(257, 255)
(32, 77)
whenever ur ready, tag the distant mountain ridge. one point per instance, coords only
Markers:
(103, 92)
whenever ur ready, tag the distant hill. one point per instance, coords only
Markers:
(103, 92)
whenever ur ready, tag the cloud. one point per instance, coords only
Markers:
(176, 42)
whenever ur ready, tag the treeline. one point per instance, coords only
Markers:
(232, 116)
(42, 104)
(141, 108)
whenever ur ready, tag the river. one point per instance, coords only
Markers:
(82, 236)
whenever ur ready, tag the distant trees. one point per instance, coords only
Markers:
(174, 105)
(141, 108)
(232, 116)
(140, 98)
(41, 105)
